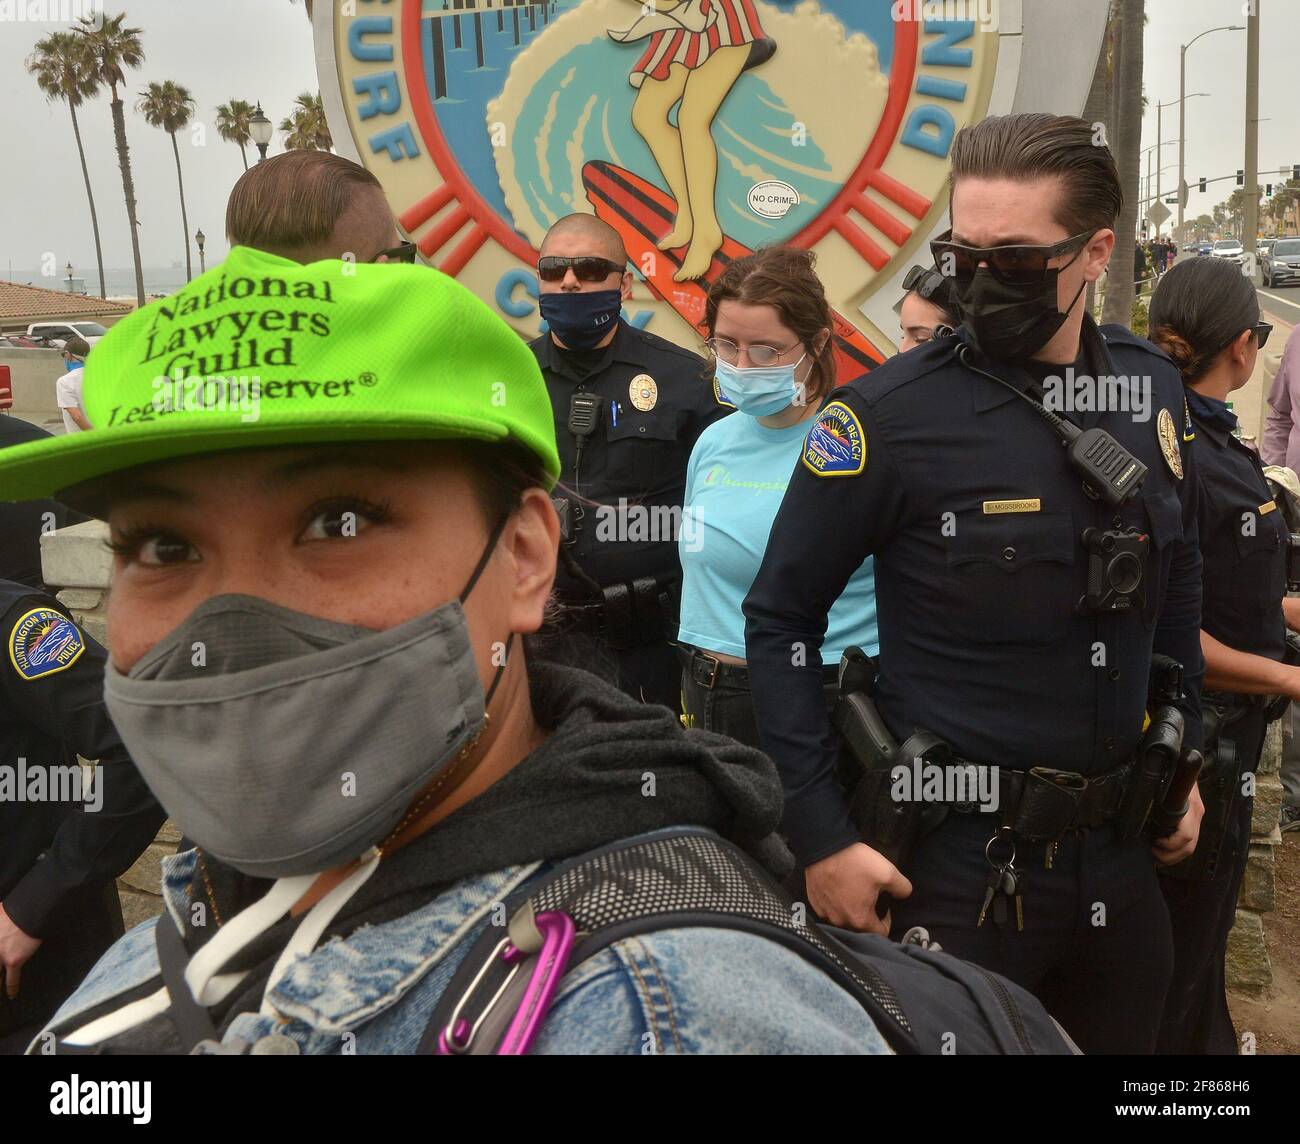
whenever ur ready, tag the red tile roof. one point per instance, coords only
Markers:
(20, 305)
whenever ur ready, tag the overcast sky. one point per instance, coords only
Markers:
(220, 50)
(262, 49)
(1216, 64)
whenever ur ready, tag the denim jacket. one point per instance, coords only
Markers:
(691, 990)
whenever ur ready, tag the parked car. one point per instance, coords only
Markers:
(1281, 265)
(24, 342)
(58, 332)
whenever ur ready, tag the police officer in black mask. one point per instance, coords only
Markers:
(1205, 316)
(1029, 498)
(629, 407)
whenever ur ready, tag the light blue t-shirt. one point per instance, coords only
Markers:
(736, 478)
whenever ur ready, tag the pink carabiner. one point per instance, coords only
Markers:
(559, 933)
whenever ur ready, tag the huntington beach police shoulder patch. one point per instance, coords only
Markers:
(44, 642)
(836, 445)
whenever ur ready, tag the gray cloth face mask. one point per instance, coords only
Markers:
(287, 744)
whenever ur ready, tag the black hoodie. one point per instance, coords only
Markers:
(610, 768)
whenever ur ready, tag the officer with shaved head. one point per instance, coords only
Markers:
(628, 409)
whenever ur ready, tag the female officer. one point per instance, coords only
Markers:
(927, 305)
(320, 572)
(770, 331)
(1205, 316)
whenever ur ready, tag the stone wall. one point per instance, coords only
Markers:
(1248, 967)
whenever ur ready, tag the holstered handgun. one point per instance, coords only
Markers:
(1156, 761)
(868, 755)
(1220, 788)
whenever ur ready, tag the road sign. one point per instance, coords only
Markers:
(1157, 214)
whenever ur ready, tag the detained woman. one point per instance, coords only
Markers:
(927, 306)
(769, 327)
(1205, 316)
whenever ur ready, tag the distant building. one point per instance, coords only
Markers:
(20, 306)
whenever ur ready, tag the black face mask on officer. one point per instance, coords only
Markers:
(1012, 323)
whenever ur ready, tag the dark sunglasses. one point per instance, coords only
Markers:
(1010, 265)
(403, 252)
(552, 268)
(925, 282)
(1261, 331)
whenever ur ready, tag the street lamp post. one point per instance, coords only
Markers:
(260, 131)
(200, 238)
(1182, 112)
(1160, 140)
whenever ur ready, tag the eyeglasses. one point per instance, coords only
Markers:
(762, 356)
(586, 268)
(1010, 265)
(402, 252)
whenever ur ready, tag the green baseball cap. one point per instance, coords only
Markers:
(263, 351)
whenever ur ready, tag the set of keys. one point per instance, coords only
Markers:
(1003, 884)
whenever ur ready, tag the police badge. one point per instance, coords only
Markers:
(1168, 436)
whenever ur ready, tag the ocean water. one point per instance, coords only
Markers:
(118, 282)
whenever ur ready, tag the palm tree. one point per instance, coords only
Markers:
(233, 119)
(171, 107)
(307, 128)
(112, 48)
(63, 70)
(1127, 146)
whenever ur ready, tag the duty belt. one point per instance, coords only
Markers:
(1041, 804)
(625, 615)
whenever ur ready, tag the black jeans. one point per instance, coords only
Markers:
(1196, 1018)
(1096, 946)
(728, 707)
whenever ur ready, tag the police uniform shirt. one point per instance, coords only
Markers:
(22, 523)
(655, 400)
(51, 711)
(963, 495)
(1243, 537)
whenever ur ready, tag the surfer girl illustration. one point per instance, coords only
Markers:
(697, 51)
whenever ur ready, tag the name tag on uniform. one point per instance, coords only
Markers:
(994, 507)
(1267, 507)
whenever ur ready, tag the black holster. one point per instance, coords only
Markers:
(1220, 787)
(1157, 757)
(868, 755)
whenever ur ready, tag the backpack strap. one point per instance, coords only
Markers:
(684, 877)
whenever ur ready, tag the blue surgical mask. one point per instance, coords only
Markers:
(760, 392)
(73, 364)
(582, 320)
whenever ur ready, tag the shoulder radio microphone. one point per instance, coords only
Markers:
(1108, 469)
(584, 414)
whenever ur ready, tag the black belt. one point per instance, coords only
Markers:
(709, 671)
(1042, 803)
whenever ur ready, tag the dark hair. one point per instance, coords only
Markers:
(1199, 307)
(936, 289)
(77, 346)
(784, 278)
(294, 201)
(1035, 146)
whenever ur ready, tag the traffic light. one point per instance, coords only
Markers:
(1202, 186)
(1295, 172)
(1241, 177)
(1268, 190)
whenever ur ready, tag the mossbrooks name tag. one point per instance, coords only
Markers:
(836, 445)
(43, 642)
(994, 507)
